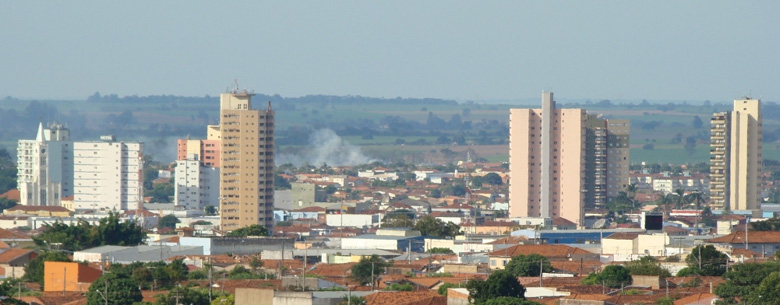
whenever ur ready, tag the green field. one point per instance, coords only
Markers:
(317, 115)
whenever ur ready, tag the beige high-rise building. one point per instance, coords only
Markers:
(562, 159)
(247, 162)
(736, 160)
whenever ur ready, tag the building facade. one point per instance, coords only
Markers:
(207, 151)
(197, 185)
(108, 175)
(45, 167)
(561, 160)
(606, 159)
(736, 156)
(246, 162)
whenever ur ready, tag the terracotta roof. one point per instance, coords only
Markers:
(8, 234)
(754, 237)
(623, 235)
(560, 221)
(12, 254)
(332, 270)
(693, 298)
(12, 194)
(3, 245)
(543, 250)
(744, 252)
(406, 298)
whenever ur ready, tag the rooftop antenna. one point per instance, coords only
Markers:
(235, 87)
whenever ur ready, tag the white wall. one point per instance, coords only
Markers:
(351, 220)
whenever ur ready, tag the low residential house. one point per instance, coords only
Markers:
(490, 228)
(68, 276)
(499, 258)
(13, 260)
(14, 221)
(446, 217)
(560, 223)
(765, 243)
(697, 299)
(40, 211)
(625, 246)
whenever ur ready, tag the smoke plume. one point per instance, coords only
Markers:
(325, 146)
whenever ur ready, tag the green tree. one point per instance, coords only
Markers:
(442, 290)
(33, 271)
(162, 192)
(430, 226)
(184, 295)
(6, 203)
(509, 301)
(210, 210)
(253, 230)
(122, 290)
(647, 265)
(528, 265)
(255, 263)
(500, 284)
(768, 292)
(400, 287)
(168, 221)
(229, 299)
(712, 261)
(362, 271)
(8, 290)
(436, 193)
(613, 276)
(743, 279)
(493, 179)
(353, 300)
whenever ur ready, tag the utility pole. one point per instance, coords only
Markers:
(305, 258)
(372, 276)
(541, 271)
(211, 281)
(105, 297)
(64, 279)
(700, 256)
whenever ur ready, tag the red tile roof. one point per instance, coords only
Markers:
(406, 298)
(543, 250)
(754, 237)
(12, 254)
(8, 234)
(12, 194)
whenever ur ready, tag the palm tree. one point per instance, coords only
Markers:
(680, 198)
(696, 198)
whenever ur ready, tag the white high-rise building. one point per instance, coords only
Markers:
(45, 167)
(108, 175)
(197, 185)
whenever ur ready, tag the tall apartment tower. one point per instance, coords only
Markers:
(108, 175)
(546, 161)
(246, 162)
(45, 166)
(736, 156)
(562, 159)
(607, 159)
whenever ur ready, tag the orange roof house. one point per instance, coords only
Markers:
(68, 276)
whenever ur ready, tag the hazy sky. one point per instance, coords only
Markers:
(682, 50)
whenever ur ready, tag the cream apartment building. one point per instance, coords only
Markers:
(108, 175)
(736, 156)
(562, 159)
(246, 161)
